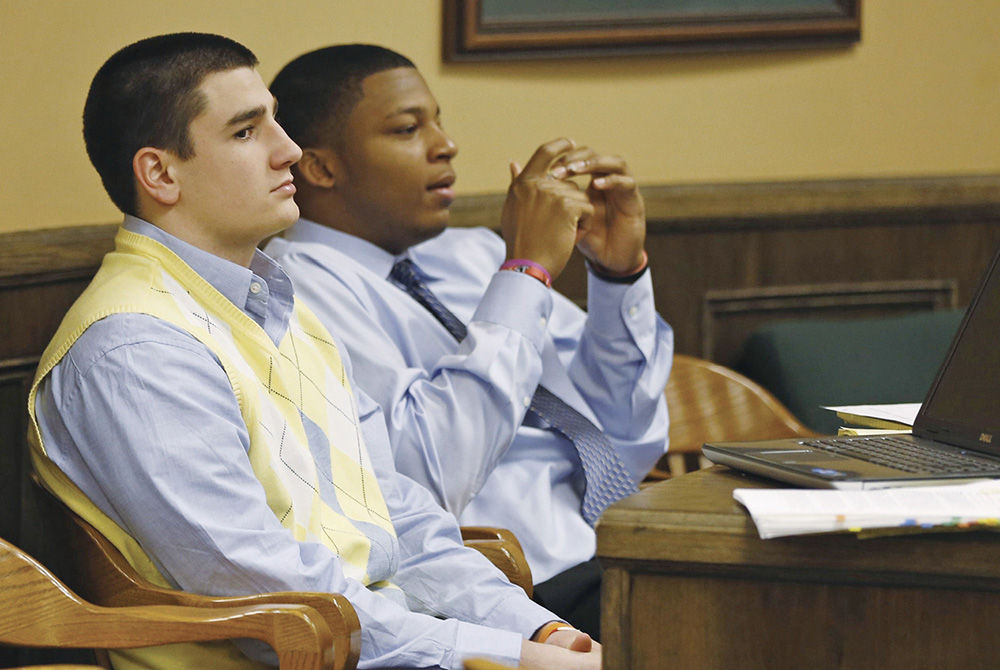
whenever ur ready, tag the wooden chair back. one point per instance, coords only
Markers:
(710, 402)
(38, 610)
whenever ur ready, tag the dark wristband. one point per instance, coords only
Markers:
(620, 279)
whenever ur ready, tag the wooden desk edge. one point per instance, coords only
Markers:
(692, 525)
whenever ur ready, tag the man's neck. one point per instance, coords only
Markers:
(241, 253)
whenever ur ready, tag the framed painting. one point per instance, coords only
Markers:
(504, 29)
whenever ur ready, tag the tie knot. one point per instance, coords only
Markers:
(405, 272)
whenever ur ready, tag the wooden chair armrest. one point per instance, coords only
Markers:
(487, 533)
(485, 664)
(110, 580)
(502, 548)
(40, 611)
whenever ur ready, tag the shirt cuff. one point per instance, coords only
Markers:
(632, 302)
(475, 641)
(519, 302)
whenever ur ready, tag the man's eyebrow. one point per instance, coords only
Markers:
(415, 110)
(250, 114)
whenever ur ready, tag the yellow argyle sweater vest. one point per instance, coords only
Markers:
(278, 389)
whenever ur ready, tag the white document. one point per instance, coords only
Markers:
(905, 413)
(781, 512)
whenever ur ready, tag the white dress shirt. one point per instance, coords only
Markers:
(455, 411)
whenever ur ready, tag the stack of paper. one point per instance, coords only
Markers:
(780, 512)
(893, 418)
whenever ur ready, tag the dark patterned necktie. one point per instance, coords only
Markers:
(607, 477)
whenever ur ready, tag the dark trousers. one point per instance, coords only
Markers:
(575, 595)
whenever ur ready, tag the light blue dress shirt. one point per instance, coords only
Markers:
(455, 410)
(142, 418)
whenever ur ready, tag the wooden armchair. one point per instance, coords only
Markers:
(107, 578)
(710, 402)
(37, 610)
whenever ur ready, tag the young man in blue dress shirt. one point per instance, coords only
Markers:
(374, 187)
(197, 413)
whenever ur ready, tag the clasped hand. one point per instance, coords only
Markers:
(547, 214)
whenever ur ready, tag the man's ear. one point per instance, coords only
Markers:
(153, 174)
(319, 167)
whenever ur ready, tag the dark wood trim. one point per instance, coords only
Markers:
(790, 203)
(931, 293)
(40, 253)
(738, 202)
(722, 309)
(470, 33)
(698, 207)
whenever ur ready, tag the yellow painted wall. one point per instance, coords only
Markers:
(920, 95)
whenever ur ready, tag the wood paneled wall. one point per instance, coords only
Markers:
(725, 259)
(728, 258)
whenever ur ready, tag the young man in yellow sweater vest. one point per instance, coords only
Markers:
(205, 421)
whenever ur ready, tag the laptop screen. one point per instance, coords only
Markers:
(963, 405)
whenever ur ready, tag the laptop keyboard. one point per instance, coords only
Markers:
(906, 455)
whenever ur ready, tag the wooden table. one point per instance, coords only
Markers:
(688, 584)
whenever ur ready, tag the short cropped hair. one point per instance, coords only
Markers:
(317, 91)
(146, 95)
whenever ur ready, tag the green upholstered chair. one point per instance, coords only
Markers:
(815, 362)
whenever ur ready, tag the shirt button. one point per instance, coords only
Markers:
(255, 288)
(542, 321)
(527, 401)
(633, 310)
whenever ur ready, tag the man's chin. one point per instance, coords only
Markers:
(432, 231)
(288, 217)
(276, 227)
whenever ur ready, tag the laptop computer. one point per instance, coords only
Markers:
(955, 437)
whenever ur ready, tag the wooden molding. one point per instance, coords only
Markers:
(798, 200)
(788, 203)
(675, 207)
(722, 309)
(40, 253)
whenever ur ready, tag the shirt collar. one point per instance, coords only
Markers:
(271, 308)
(373, 257)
